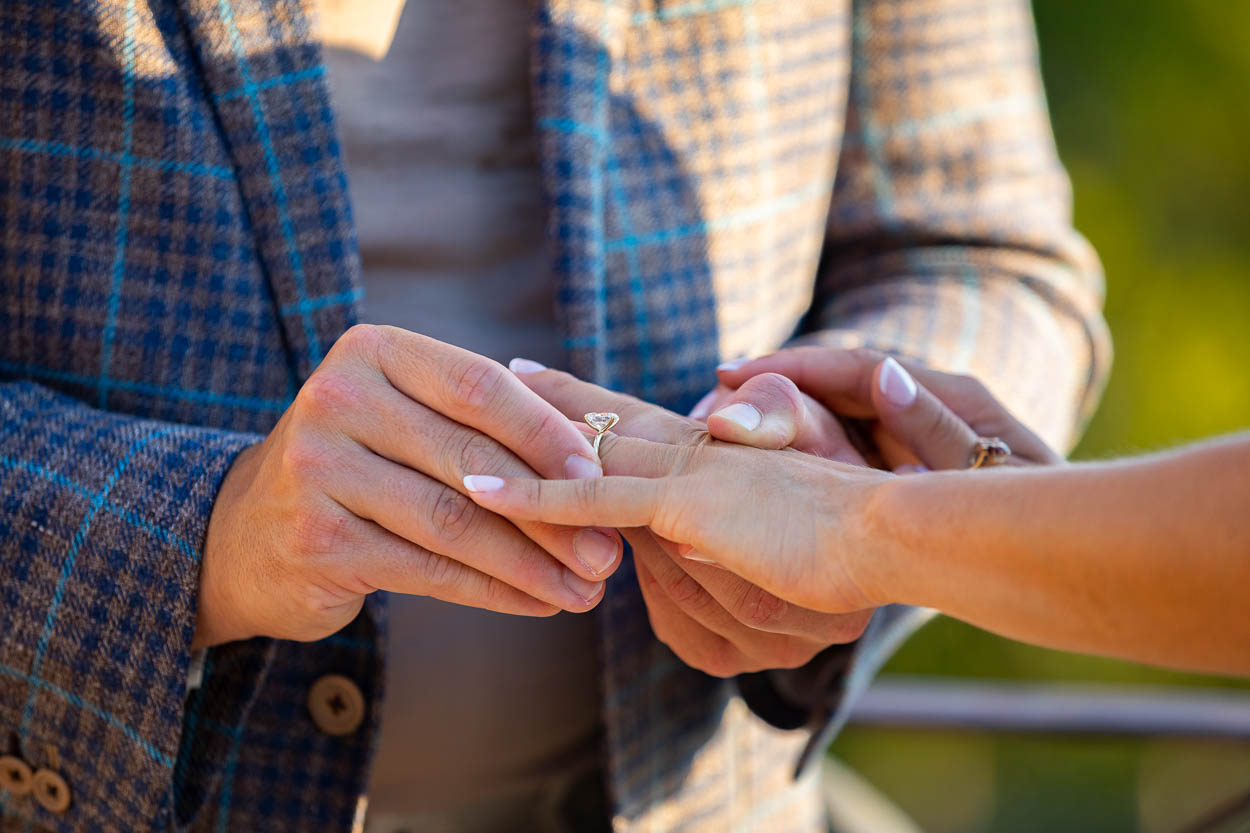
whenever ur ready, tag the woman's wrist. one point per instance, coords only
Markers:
(899, 539)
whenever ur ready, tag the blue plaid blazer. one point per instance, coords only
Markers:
(177, 254)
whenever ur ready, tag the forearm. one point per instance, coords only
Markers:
(1146, 559)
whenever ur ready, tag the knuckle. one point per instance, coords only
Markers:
(479, 454)
(758, 608)
(496, 594)
(776, 383)
(584, 496)
(552, 424)
(438, 573)
(362, 341)
(302, 459)
(589, 494)
(690, 435)
(316, 532)
(451, 515)
(935, 422)
(687, 593)
(649, 584)
(476, 382)
(327, 393)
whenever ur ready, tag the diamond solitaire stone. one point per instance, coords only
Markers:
(601, 421)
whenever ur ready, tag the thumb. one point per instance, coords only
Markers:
(919, 420)
(767, 411)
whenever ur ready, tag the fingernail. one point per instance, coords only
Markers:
(594, 549)
(583, 589)
(911, 468)
(578, 467)
(897, 385)
(732, 364)
(741, 414)
(705, 404)
(482, 483)
(519, 365)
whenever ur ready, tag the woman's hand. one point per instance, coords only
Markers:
(801, 528)
(919, 417)
(796, 525)
(711, 619)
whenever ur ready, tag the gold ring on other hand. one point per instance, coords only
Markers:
(987, 452)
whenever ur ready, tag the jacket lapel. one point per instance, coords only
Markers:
(571, 65)
(266, 83)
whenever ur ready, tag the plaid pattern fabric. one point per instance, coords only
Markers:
(177, 255)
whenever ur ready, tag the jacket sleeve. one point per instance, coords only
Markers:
(102, 524)
(950, 234)
(949, 241)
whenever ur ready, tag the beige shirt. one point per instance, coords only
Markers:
(441, 155)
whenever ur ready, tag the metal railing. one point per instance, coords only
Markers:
(1066, 708)
(1085, 708)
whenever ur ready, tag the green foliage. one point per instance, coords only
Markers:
(1152, 118)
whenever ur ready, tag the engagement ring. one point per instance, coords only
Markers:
(602, 422)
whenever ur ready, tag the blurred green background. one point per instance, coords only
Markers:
(1152, 115)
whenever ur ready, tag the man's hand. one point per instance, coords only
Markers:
(710, 618)
(358, 488)
(724, 625)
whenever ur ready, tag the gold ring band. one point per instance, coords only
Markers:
(987, 452)
(602, 422)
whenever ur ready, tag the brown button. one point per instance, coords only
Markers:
(15, 775)
(336, 705)
(51, 791)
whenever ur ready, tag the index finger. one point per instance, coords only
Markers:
(480, 393)
(631, 496)
(620, 502)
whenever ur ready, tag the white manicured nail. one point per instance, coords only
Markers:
(741, 414)
(519, 366)
(732, 364)
(482, 483)
(896, 384)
